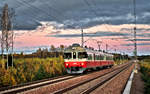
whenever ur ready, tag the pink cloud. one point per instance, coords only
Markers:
(39, 37)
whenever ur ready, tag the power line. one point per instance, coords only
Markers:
(33, 15)
(57, 11)
(47, 14)
(95, 13)
(38, 9)
(93, 10)
(135, 45)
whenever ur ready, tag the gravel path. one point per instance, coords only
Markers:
(115, 86)
(137, 84)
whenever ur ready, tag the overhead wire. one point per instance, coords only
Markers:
(94, 12)
(97, 15)
(45, 12)
(33, 15)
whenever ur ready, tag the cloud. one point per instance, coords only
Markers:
(92, 21)
(137, 29)
(138, 40)
(144, 35)
(138, 44)
(55, 32)
(96, 34)
(29, 50)
(29, 13)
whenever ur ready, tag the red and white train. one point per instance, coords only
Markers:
(78, 59)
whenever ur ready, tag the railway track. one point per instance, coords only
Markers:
(58, 81)
(90, 85)
(31, 85)
(104, 82)
(35, 84)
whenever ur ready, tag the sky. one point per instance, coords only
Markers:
(41, 23)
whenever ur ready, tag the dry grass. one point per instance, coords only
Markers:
(30, 69)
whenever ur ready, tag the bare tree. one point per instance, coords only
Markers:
(7, 32)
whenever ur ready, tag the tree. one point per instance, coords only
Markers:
(61, 49)
(7, 32)
(45, 53)
(39, 52)
(52, 49)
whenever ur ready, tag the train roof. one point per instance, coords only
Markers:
(78, 48)
(73, 49)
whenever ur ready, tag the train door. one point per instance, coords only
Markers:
(74, 55)
(105, 57)
(94, 57)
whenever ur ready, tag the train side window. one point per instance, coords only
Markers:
(97, 57)
(107, 57)
(89, 57)
(101, 57)
(111, 57)
(82, 55)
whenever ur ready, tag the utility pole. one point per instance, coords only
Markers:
(99, 44)
(7, 33)
(82, 38)
(135, 45)
(106, 47)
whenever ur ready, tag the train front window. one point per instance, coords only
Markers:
(67, 56)
(82, 55)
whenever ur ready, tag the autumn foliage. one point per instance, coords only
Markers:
(30, 69)
(145, 70)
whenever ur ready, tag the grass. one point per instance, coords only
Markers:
(145, 70)
(118, 62)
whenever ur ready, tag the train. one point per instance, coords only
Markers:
(78, 59)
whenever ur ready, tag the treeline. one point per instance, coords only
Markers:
(143, 57)
(121, 57)
(42, 53)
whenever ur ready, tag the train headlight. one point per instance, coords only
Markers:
(82, 64)
(67, 64)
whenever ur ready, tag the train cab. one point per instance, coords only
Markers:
(75, 58)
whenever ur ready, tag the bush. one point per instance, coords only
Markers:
(40, 73)
(118, 62)
(31, 69)
(145, 70)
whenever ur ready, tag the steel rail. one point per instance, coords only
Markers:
(113, 76)
(31, 85)
(84, 82)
